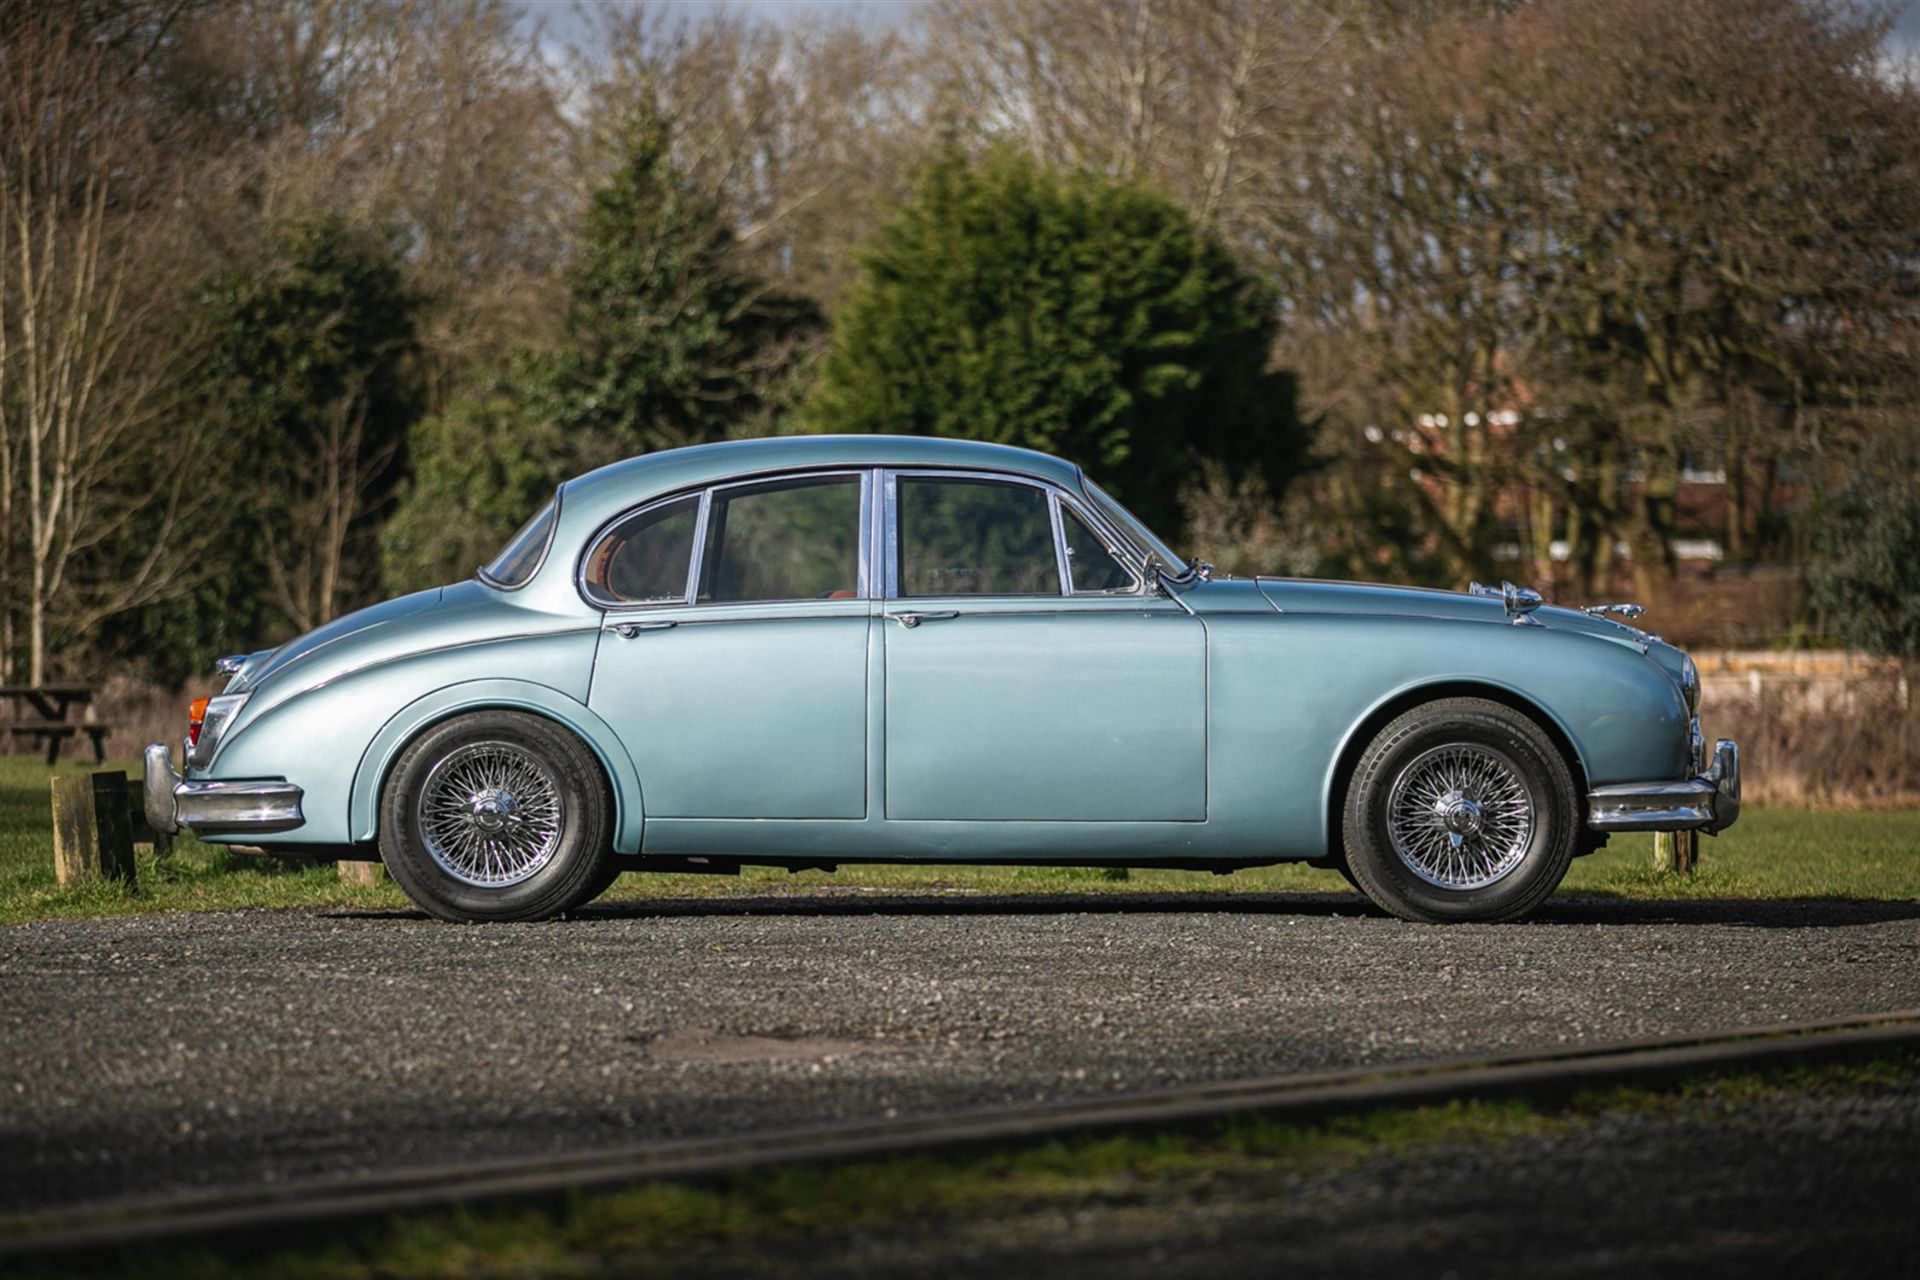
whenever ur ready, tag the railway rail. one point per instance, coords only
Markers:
(298, 1207)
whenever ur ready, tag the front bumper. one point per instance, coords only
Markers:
(1709, 802)
(214, 808)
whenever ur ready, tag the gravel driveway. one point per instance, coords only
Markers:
(147, 1055)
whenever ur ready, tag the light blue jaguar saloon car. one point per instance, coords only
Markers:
(808, 651)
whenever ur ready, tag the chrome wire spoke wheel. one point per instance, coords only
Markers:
(1460, 816)
(490, 815)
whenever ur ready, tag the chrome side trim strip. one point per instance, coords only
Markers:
(337, 677)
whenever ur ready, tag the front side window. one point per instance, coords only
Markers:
(645, 558)
(783, 540)
(520, 559)
(967, 537)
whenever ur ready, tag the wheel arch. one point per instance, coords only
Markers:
(377, 761)
(1397, 704)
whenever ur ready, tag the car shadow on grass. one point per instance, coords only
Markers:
(1582, 910)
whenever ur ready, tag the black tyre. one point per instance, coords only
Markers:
(1460, 810)
(496, 815)
(610, 870)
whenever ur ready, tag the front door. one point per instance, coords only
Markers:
(733, 657)
(1028, 676)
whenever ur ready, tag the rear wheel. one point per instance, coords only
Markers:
(1460, 810)
(496, 815)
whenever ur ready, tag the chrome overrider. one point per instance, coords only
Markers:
(1709, 802)
(214, 808)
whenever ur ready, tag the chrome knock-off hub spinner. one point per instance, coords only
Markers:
(1461, 814)
(492, 809)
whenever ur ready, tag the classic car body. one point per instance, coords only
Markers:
(916, 710)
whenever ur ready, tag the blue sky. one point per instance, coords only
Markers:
(1907, 30)
(562, 20)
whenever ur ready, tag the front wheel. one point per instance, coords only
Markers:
(496, 815)
(1460, 810)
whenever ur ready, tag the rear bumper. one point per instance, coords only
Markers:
(1709, 802)
(215, 808)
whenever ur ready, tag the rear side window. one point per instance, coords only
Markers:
(785, 540)
(520, 559)
(965, 537)
(645, 559)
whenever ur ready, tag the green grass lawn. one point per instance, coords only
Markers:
(1772, 853)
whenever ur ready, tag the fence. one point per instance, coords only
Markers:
(1827, 728)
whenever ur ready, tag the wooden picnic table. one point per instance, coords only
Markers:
(49, 704)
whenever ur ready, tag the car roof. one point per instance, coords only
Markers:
(621, 484)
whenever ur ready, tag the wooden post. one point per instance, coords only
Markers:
(1676, 851)
(161, 841)
(366, 875)
(92, 829)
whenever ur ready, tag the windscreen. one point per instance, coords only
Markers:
(1131, 526)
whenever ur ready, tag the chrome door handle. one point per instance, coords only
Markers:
(912, 620)
(628, 630)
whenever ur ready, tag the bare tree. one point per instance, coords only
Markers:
(1552, 257)
(88, 292)
(312, 560)
(1208, 98)
(435, 120)
(804, 132)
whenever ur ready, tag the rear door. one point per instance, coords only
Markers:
(1029, 675)
(733, 653)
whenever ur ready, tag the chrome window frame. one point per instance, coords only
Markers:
(689, 596)
(1121, 548)
(606, 530)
